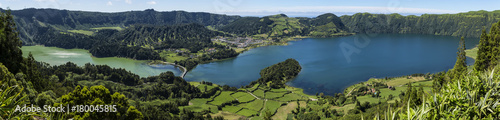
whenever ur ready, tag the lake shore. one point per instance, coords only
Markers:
(182, 68)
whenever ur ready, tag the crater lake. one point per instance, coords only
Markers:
(329, 65)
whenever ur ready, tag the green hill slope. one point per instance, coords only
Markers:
(467, 24)
(278, 26)
(29, 20)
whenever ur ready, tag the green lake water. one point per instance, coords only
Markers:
(58, 56)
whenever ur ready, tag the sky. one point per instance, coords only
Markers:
(303, 8)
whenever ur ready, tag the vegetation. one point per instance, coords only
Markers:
(467, 24)
(459, 93)
(487, 54)
(31, 20)
(9, 42)
(279, 74)
(460, 66)
(279, 26)
(218, 55)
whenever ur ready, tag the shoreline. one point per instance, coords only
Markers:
(182, 68)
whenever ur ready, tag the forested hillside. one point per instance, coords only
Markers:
(279, 26)
(467, 24)
(191, 36)
(28, 20)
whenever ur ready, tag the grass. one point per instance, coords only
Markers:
(255, 105)
(279, 90)
(254, 87)
(100, 28)
(232, 109)
(199, 101)
(171, 56)
(313, 104)
(195, 83)
(243, 97)
(259, 93)
(386, 92)
(202, 87)
(220, 43)
(472, 53)
(302, 104)
(272, 106)
(344, 108)
(239, 50)
(400, 81)
(228, 115)
(247, 112)
(85, 32)
(257, 118)
(224, 97)
(368, 98)
(216, 94)
(273, 95)
(291, 97)
(198, 106)
(299, 91)
(283, 111)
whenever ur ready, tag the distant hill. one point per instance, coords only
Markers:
(191, 36)
(467, 24)
(29, 20)
(280, 25)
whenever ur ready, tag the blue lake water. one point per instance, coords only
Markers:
(329, 65)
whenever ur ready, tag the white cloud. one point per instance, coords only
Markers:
(109, 3)
(355, 9)
(151, 2)
(128, 1)
(45, 0)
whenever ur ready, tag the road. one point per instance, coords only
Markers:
(184, 69)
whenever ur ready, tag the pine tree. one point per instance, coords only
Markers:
(460, 66)
(10, 45)
(482, 61)
(33, 73)
(494, 44)
(489, 49)
(494, 38)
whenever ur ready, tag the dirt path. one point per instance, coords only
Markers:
(253, 95)
(349, 94)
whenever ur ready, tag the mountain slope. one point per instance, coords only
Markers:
(283, 26)
(467, 24)
(191, 36)
(28, 20)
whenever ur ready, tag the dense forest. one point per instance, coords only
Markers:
(29, 20)
(191, 36)
(467, 24)
(279, 26)
(218, 55)
(278, 74)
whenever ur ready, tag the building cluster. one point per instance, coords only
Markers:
(240, 42)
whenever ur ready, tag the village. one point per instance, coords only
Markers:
(239, 42)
